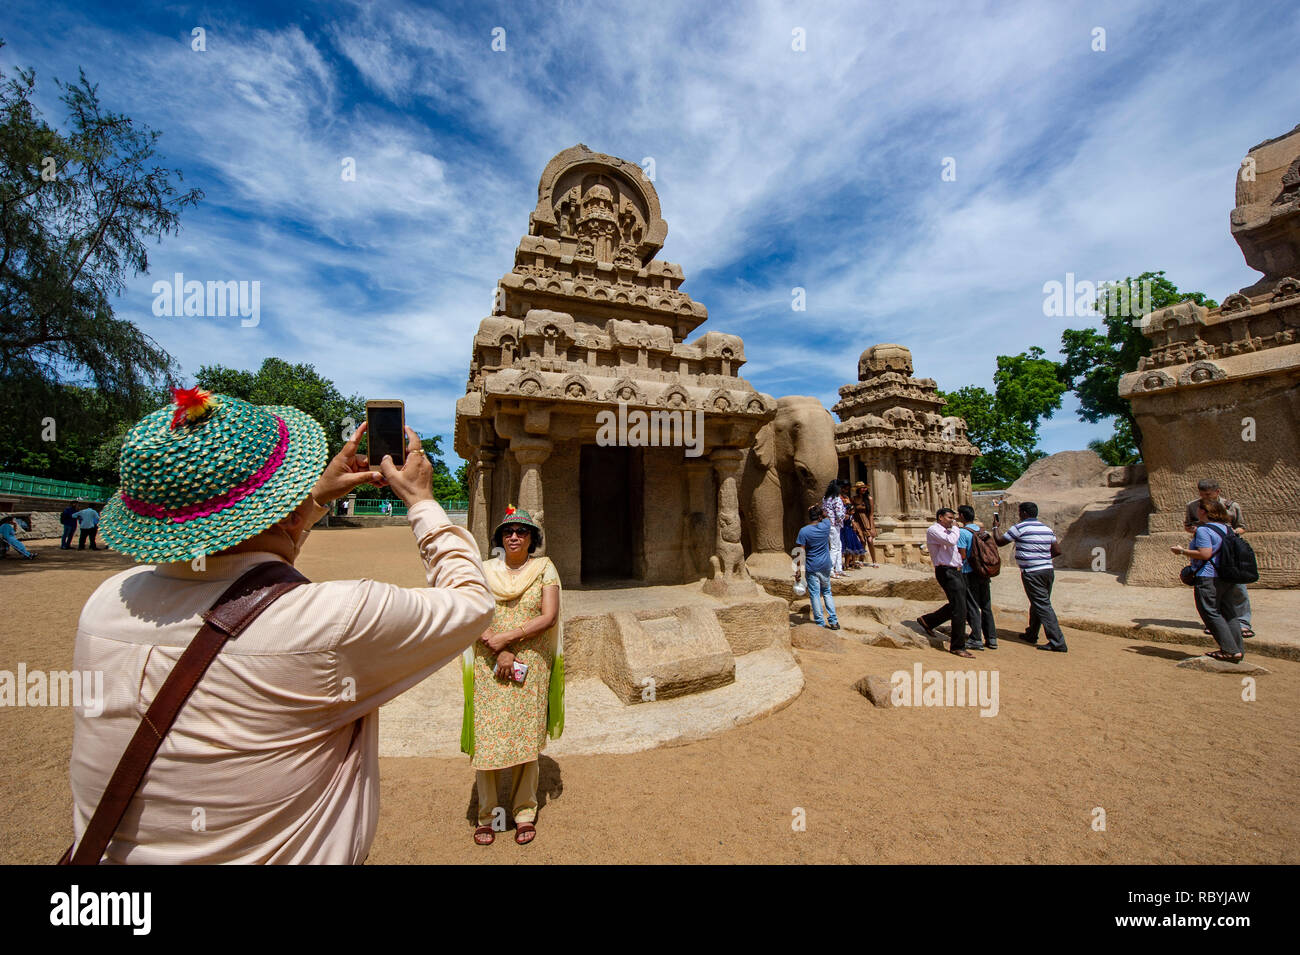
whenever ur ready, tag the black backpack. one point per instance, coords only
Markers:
(983, 554)
(1234, 561)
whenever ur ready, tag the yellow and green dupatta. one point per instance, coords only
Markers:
(506, 587)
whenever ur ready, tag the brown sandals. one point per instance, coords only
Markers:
(484, 836)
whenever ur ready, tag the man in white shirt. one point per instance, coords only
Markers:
(941, 541)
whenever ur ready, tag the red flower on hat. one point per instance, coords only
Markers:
(510, 510)
(191, 404)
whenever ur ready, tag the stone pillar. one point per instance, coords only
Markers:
(480, 503)
(884, 486)
(905, 506)
(530, 452)
(696, 540)
(730, 577)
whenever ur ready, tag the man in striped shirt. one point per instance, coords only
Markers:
(1035, 547)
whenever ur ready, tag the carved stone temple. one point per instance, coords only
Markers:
(891, 436)
(588, 321)
(1219, 396)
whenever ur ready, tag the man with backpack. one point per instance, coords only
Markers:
(980, 561)
(1208, 490)
(1214, 561)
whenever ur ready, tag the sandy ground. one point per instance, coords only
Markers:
(1185, 770)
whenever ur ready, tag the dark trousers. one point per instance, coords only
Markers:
(979, 610)
(1216, 603)
(68, 530)
(954, 588)
(87, 532)
(1038, 588)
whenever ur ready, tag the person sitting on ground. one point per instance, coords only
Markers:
(1208, 490)
(815, 537)
(9, 525)
(277, 748)
(1036, 546)
(1213, 595)
(941, 541)
(979, 596)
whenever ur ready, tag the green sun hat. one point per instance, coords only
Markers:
(515, 516)
(207, 473)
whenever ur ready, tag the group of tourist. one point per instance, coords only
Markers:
(340, 649)
(963, 564)
(1223, 605)
(852, 526)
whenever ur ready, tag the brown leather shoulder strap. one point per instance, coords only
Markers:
(239, 606)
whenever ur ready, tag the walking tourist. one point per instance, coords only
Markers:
(88, 519)
(834, 510)
(9, 526)
(276, 750)
(864, 519)
(979, 596)
(941, 541)
(850, 543)
(815, 537)
(1208, 490)
(1214, 596)
(1036, 545)
(514, 679)
(69, 521)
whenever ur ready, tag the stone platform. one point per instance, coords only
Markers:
(712, 665)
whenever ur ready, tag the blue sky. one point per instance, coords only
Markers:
(776, 168)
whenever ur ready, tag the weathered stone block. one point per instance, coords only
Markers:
(656, 656)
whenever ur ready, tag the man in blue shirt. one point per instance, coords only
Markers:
(1214, 597)
(88, 518)
(979, 596)
(69, 522)
(814, 538)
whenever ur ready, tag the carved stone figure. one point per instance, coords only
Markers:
(792, 461)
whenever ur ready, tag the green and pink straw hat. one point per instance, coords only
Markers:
(209, 472)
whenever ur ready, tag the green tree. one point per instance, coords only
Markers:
(300, 386)
(1095, 360)
(75, 210)
(1004, 424)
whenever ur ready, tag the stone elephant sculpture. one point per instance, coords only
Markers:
(787, 469)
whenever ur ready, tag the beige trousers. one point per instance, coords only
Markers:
(523, 792)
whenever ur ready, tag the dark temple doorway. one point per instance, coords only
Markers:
(610, 491)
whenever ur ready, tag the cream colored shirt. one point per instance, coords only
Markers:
(274, 757)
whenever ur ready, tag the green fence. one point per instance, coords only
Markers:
(45, 487)
(370, 507)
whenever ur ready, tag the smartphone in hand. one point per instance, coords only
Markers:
(386, 431)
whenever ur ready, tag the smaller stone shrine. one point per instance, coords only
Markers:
(1219, 396)
(891, 436)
